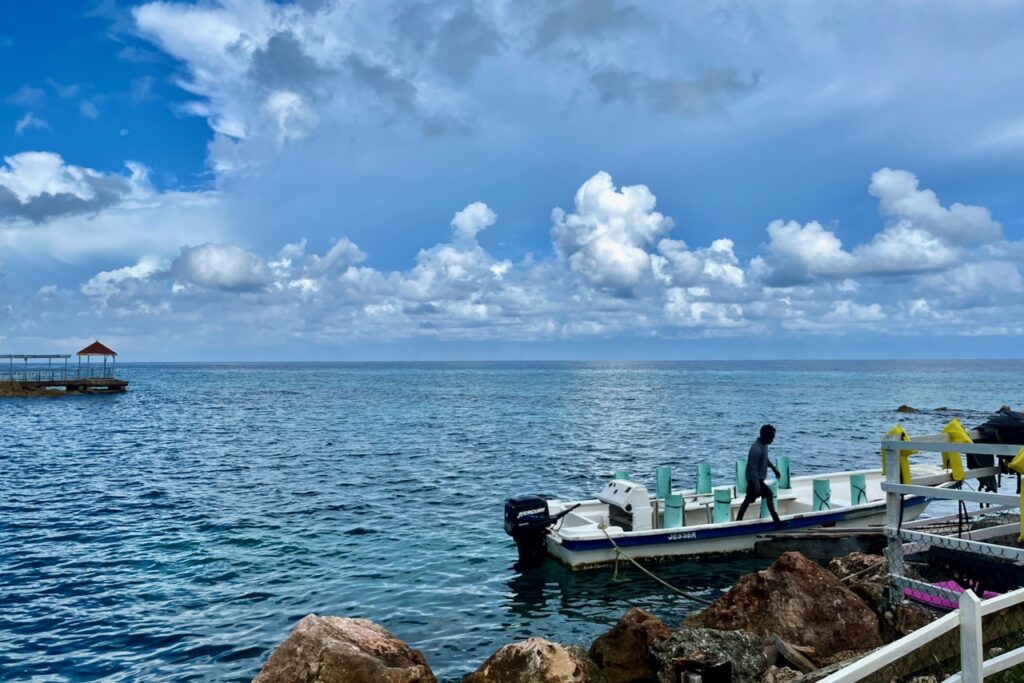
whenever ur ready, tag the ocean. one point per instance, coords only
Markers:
(178, 531)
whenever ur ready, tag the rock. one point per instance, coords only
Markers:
(1005, 409)
(745, 652)
(904, 619)
(907, 409)
(802, 603)
(341, 650)
(624, 653)
(865, 575)
(924, 679)
(537, 661)
(779, 674)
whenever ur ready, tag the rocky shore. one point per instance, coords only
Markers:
(794, 621)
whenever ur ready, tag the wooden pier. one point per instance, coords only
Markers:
(41, 374)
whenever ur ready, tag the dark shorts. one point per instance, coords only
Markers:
(756, 488)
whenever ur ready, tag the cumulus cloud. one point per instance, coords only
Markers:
(921, 236)
(606, 240)
(107, 283)
(901, 200)
(471, 220)
(40, 186)
(222, 266)
(615, 270)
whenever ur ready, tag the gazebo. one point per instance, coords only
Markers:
(97, 349)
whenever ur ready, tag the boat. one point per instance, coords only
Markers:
(627, 521)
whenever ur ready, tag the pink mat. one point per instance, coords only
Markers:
(942, 603)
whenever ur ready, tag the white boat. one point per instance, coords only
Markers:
(626, 519)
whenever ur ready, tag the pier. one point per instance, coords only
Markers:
(31, 374)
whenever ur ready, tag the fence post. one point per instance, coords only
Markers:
(894, 548)
(971, 657)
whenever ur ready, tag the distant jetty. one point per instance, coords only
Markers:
(52, 375)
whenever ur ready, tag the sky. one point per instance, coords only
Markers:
(530, 179)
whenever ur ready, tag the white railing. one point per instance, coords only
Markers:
(974, 667)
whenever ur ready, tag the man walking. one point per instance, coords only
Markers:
(757, 469)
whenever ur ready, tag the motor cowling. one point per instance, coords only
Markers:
(527, 519)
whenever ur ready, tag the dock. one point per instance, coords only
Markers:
(45, 374)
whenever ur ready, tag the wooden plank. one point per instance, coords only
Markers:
(940, 446)
(884, 656)
(950, 494)
(971, 655)
(936, 479)
(1001, 602)
(1004, 661)
(793, 655)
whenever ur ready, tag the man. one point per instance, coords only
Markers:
(757, 469)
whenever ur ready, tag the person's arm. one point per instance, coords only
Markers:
(775, 469)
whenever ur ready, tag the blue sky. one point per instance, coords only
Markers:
(567, 179)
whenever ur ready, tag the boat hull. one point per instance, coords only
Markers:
(710, 540)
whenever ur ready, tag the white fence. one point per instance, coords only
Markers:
(974, 667)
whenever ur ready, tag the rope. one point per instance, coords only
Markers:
(826, 502)
(861, 493)
(619, 551)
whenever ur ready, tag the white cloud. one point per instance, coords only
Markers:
(28, 122)
(222, 266)
(918, 209)
(107, 283)
(342, 254)
(292, 115)
(471, 220)
(923, 237)
(606, 240)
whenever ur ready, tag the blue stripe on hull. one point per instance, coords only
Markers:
(682, 535)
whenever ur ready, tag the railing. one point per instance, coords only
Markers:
(55, 374)
(973, 666)
(928, 646)
(902, 539)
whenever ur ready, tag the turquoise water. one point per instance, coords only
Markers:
(178, 531)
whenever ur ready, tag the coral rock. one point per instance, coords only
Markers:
(340, 650)
(537, 661)
(801, 602)
(624, 653)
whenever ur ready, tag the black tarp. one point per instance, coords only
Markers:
(1006, 426)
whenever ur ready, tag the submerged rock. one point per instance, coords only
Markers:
(537, 661)
(624, 653)
(800, 602)
(907, 409)
(341, 650)
(743, 650)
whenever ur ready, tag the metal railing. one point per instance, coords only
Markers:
(57, 374)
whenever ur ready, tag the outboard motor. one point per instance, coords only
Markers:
(527, 519)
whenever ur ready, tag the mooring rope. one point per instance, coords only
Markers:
(620, 551)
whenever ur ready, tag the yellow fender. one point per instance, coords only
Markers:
(951, 460)
(1017, 465)
(898, 431)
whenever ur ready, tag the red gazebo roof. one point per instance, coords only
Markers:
(96, 349)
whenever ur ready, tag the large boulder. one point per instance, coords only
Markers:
(865, 575)
(800, 602)
(744, 651)
(341, 650)
(537, 661)
(624, 653)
